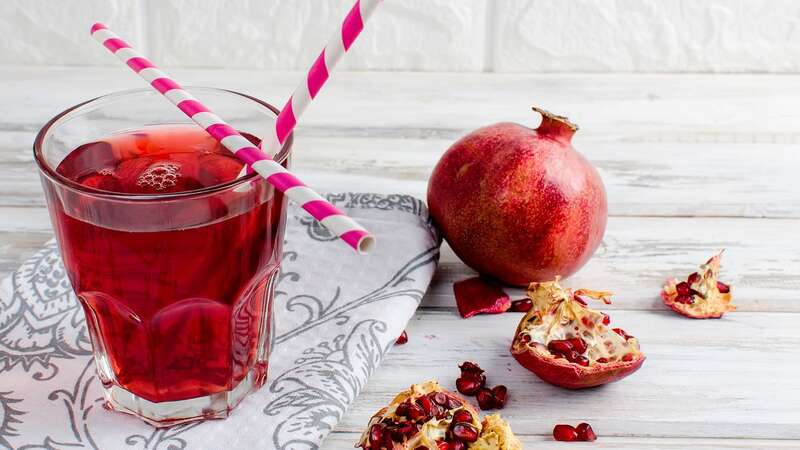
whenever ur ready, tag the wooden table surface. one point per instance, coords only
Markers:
(692, 164)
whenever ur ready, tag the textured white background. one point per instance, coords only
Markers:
(430, 35)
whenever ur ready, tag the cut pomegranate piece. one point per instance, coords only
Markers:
(480, 296)
(568, 344)
(402, 339)
(565, 433)
(397, 427)
(701, 296)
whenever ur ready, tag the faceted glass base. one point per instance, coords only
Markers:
(166, 414)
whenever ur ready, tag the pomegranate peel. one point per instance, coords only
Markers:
(568, 344)
(478, 295)
(448, 422)
(702, 295)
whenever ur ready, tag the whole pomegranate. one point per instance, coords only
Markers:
(517, 203)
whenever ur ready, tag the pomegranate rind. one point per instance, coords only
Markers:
(557, 305)
(478, 295)
(713, 306)
(430, 430)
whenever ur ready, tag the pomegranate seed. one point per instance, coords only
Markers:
(693, 278)
(685, 299)
(456, 445)
(578, 344)
(723, 288)
(580, 300)
(442, 445)
(565, 433)
(407, 429)
(415, 412)
(525, 338)
(402, 339)
(462, 416)
(440, 398)
(402, 409)
(500, 394)
(375, 433)
(522, 305)
(585, 432)
(465, 432)
(622, 333)
(572, 356)
(426, 405)
(453, 403)
(606, 319)
(628, 357)
(582, 360)
(469, 366)
(682, 288)
(602, 360)
(468, 386)
(485, 399)
(559, 346)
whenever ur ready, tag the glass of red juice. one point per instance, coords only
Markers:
(173, 258)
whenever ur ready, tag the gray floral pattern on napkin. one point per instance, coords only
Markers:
(337, 314)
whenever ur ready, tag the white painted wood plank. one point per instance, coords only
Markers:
(345, 440)
(761, 261)
(611, 107)
(730, 378)
(657, 179)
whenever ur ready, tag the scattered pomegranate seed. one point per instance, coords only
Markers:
(442, 445)
(582, 360)
(723, 288)
(565, 433)
(585, 432)
(468, 386)
(522, 305)
(402, 339)
(485, 399)
(469, 366)
(500, 394)
(606, 319)
(622, 333)
(693, 278)
(462, 416)
(465, 432)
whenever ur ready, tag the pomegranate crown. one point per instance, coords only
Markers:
(558, 127)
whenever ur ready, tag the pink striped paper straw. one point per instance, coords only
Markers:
(318, 74)
(346, 228)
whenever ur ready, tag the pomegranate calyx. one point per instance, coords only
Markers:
(555, 126)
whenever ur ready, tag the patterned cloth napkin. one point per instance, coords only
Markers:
(337, 314)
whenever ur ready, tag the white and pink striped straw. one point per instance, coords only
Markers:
(319, 72)
(334, 220)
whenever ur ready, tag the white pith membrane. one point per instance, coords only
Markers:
(494, 433)
(557, 315)
(708, 300)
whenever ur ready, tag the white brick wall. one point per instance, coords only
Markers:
(435, 35)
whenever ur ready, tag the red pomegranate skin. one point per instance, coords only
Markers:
(519, 204)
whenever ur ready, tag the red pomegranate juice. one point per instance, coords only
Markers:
(176, 293)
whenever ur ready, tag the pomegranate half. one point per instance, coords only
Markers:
(429, 417)
(568, 344)
(519, 204)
